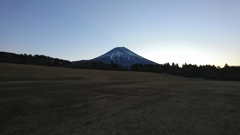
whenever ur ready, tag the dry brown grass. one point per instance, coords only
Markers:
(48, 100)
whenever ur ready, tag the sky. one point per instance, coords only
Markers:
(181, 31)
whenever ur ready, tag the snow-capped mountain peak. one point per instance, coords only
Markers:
(123, 57)
(120, 52)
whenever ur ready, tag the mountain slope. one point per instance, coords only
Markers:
(122, 56)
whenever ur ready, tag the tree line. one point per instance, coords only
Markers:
(187, 70)
(33, 59)
(99, 65)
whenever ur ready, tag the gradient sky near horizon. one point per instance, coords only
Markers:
(181, 31)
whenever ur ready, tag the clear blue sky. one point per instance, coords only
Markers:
(191, 31)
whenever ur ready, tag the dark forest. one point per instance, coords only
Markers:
(231, 73)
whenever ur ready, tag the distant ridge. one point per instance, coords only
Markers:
(122, 56)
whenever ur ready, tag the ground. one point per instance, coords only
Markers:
(36, 100)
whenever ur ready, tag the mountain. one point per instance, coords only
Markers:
(122, 56)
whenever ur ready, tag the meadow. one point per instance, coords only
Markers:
(36, 100)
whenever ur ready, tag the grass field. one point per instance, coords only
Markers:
(36, 100)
